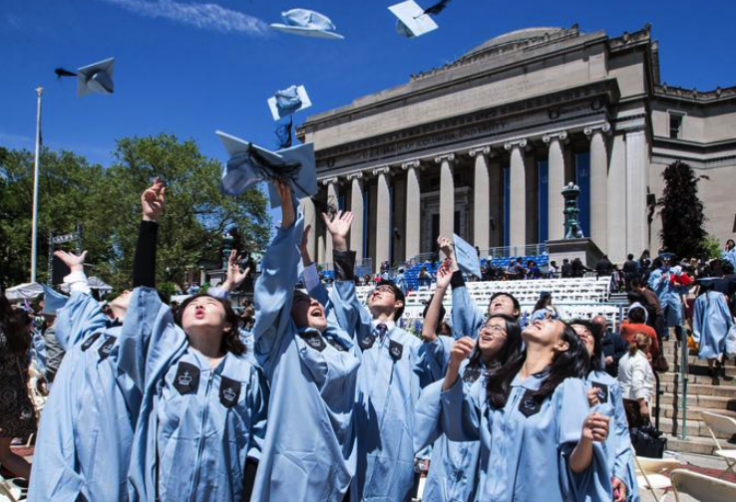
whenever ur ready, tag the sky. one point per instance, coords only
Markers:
(192, 67)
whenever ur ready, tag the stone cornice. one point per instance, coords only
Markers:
(695, 95)
(629, 40)
(604, 128)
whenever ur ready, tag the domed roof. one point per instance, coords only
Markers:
(515, 37)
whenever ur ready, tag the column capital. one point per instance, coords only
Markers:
(450, 157)
(519, 143)
(481, 150)
(411, 164)
(330, 181)
(354, 176)
(555, 136)
(382, 170)
(604, 128)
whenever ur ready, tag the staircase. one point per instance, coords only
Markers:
(702, 395)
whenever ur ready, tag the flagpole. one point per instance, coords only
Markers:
(34, 231)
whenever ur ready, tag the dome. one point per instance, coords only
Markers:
(515, 37)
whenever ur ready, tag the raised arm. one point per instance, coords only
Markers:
(274, 289)
(432, 317)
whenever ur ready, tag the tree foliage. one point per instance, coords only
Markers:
(683, 222)
(106, 202)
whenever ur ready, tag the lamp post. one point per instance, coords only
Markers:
(34, 230)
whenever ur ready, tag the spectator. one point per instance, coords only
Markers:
(424, 278)
(604, 267)
(614, 347)
(727, 286)
(637, 381)
(544, 308)
(631, 270)
(650, 300)
(533, 271)
(553, 270)
(566, 269)
(578, 268)
(636, 323)
(400, 280)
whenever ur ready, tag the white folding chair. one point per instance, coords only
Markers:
(721, 423)
(651, 474)
(8, 491)
(701, 487)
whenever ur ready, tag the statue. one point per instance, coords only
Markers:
(572, 225)
(227, 247)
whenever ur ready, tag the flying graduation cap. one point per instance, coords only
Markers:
(413, 20)
(52, 301)
(307, 23)
(94, 78)
(289, 101)
(250, 164)
(467, 257)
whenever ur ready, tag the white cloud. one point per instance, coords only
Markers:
(204, 16)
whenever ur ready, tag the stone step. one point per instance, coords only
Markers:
(705, 389)
(701, 401)
(695, 428)
(693, 412)
(698, 367)
(692, 444)
(671, 377)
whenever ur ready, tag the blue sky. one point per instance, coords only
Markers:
(190, 68)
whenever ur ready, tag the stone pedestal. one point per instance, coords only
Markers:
(585, 249)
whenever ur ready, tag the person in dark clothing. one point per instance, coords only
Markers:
(578, 269)
(566, 269)
(631, 270)
(614, 347)
(727, 286)
(650, 301)
(603, 267)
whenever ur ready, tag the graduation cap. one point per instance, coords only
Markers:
(413, 20)
(666, 255)
(250, 164)
(707, 282)
(289, 101)
(94, 78)
(52, 300)
(467, 257)
(307, 23)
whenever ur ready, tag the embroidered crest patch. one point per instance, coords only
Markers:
(107, 347)
(89, 341)
(187, 378)
(529, 405)
(229, 392)
(395, 349)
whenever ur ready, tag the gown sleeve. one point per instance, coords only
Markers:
(460, 418)
(81, 316)
(623, 467)
(259, 395)
(466, 317)
(274, 292)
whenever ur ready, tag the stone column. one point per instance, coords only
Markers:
(599, 184)
(413, 204)
(637, 167)
(556, 170)
(357, 208)
(307, 208)
(332, 200)
(517, 219)
(383, 212)
(447, 195)
(481, 199)
(617, 201)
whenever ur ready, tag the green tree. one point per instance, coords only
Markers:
(683, 222)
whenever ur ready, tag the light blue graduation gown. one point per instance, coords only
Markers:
(84, 440)
(730, 256)
(619, 452)
(669, 295)
(310, 447)
(711, 322)
(198, 425)
(526, 459)
(467, 318)
(453, 470)
(39, 351)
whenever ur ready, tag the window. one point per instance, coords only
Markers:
(676, 125)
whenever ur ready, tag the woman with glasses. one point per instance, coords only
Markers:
(453, 470)
(537, 434)
(604, 395)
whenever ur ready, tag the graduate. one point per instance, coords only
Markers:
(85, 436)
(453, 470)
(729, 252)
(711, 322)
(203, 414)
(539, 438)
(389, 380)
(604, 395)
(666, 283)
(312, 366)
(466, 316)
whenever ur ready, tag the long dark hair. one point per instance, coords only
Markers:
(231, 341)
(573, 363)
(14, 329)
(596, 359)
(510, 350)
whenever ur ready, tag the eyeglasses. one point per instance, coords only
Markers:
(494, 328)
(384, 289)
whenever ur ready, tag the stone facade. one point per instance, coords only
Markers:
(482, 147)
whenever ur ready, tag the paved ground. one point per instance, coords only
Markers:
(703, 464)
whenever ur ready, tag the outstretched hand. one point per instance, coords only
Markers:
(339, 227)
(288, 212)
(74, 262)
(304, 246)
(153, 200)
(446, 246)
(444, 274)
(235, 276)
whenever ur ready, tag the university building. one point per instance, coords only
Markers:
(483, 146)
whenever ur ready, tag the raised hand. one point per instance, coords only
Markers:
(339, 227)
(595, 427)
(74, 262)
(592, 395)
(444, 275)
(460, 351)
(304, 246)
(153, 200)
(446, 246)
(288, 212)
(235, 276)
